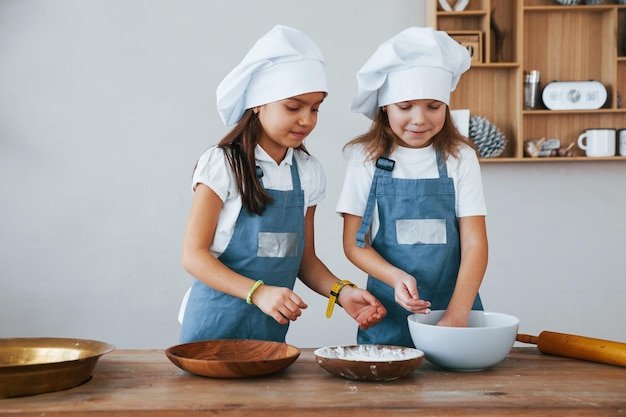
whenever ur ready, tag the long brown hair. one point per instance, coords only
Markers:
(239, 145)
(380, 140)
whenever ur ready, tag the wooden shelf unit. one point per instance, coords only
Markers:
(565, 43)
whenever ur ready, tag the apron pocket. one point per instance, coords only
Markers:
(277, 245)
(421, 231)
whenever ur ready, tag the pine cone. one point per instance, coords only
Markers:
(487, 137)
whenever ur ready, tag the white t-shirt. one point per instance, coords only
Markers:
(413, 164)
(214, 171)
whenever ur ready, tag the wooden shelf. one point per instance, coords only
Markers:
(495, 65)
(467, 13)
(564, 9)
(552, 159)
(565, 43)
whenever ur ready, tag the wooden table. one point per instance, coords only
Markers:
(142, 383)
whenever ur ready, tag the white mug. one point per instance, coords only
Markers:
(597, 142)
(622, 140)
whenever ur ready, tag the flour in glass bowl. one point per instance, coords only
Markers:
(369, 353)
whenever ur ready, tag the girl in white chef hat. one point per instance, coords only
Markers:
(250, 231)
(412, 200)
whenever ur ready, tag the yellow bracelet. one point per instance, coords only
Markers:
(334, 295)
(254, 287)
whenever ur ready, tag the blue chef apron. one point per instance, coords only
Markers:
(267, 247)
(419, 233)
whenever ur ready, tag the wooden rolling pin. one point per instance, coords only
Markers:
(578, 347)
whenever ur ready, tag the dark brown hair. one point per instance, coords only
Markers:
(380, 140)
(238, 146)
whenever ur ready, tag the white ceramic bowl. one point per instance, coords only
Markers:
(485, 342)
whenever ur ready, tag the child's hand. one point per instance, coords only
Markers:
(362, 306)
(280, 303)
(406, 295)
(454, 318)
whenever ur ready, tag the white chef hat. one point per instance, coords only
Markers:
(417, 63)
(281, 64)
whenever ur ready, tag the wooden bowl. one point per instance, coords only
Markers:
(30, 366)
(232, 358)
(369, 362)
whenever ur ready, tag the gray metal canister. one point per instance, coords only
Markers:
(532, 93)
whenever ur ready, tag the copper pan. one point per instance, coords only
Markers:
(30, 366)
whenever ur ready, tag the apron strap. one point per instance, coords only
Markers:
(384, 166)
(442, 166)
(259, 173)
(295, 176)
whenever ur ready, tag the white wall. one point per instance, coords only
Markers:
(104, 108)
